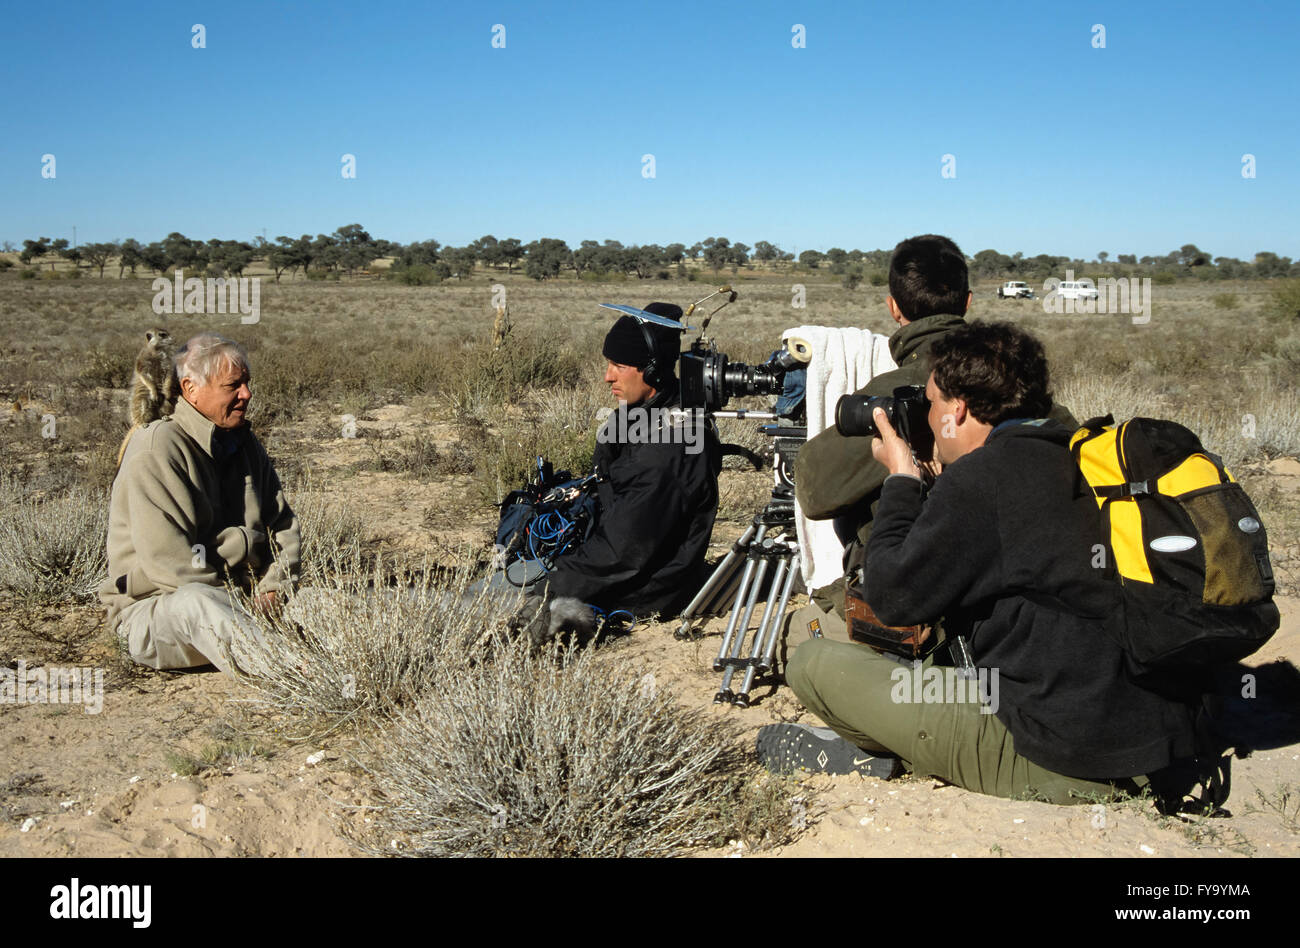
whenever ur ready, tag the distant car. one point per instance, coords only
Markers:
(1014, 290)
(1077, 290)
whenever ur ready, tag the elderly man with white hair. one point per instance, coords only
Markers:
(196, 504)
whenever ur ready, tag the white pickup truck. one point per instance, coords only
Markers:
(1014, 290)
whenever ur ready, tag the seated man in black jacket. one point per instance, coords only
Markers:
(658, 493)
(1002, 548)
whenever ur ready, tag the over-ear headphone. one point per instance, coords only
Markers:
(650, 371)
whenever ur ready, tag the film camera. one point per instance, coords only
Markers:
(709, 379)
(907, 410)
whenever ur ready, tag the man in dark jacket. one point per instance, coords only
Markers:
(659, 490)
(1003, 548)
(836, 476)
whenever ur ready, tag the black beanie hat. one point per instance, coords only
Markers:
(625, 343)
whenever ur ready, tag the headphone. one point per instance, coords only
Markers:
(650, 371)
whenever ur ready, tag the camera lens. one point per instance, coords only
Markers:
(853, 414)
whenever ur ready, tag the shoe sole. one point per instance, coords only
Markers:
(787, 748)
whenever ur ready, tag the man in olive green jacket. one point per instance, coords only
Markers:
(835, 476)
(197, 502)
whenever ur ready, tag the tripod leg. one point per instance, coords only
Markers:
(745, 578)
(724, 693)
(765, 635)
(720, 576)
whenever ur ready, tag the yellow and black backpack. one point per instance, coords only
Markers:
(1185, 543)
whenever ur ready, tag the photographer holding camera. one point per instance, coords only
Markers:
(836, 476)
(1003, 548)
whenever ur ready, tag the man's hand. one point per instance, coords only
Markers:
(267, 603)
(891, 450)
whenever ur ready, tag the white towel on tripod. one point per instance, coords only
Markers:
(841, 361)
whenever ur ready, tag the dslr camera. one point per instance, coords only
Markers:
(907, 410)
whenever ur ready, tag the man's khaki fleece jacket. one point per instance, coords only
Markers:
(185, 483)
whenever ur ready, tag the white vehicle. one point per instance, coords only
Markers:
(1077, 290)
(1014, 290)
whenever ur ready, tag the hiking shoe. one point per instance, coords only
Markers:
(786, 748)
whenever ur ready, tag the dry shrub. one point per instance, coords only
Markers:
(551, 755)
(332, 532)
(353, 646)
(55, 550)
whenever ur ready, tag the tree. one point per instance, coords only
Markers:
(738, 256)
(97, 255)
(545, 258)
(1103, 255)
(989, 263)
(1189, 255)
(811, 258)
(765, 252)
(1269, 264)
(35, 250)
(128, 256)
(645, 260)
(717, 252)
(511, 251)
(179, 252)
(461, 260)
(487, 249)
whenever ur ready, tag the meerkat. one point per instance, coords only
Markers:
(156, 387)
(501, 327)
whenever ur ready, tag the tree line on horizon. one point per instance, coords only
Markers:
(351, 249)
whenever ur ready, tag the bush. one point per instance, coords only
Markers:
(879, 278)
(1225, 300)
(27, 274)
(49, 274)
(419, 274)
(1285, 299)
(1163, 278)
(55, 550)
(546, 755)
(332, 531)
(5, 263)
(852, 280)
(107, 369)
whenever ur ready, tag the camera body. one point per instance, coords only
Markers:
(709, 379)
(907, 410)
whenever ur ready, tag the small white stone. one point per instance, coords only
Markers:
(866, 820)
(27, 825)
(316, 758)
(135, 779)
(1147, 849)
(1017, 821)
(66, 804)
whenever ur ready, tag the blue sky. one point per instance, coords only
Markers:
(1059, 147)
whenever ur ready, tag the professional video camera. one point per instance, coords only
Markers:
(907, 410)
(709, 379)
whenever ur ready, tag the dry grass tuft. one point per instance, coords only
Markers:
(550, 755)
(54, 550)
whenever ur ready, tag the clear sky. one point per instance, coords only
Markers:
(1057, 146)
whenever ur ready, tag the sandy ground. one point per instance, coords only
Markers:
(107, 784)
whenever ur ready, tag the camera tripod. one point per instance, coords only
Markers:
(769, 544)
